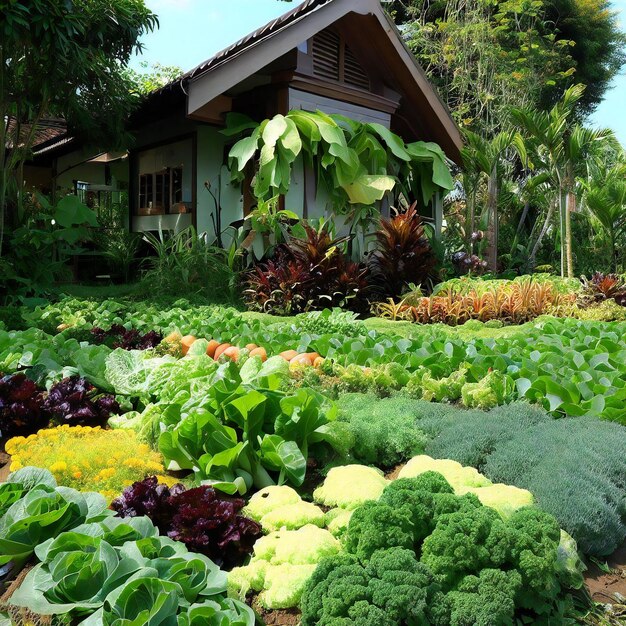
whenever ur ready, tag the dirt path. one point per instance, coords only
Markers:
(603, 586)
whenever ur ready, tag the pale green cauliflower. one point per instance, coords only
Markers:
(281, 507)
(505, 499)
(458, 476)
(282, 564)
(269, 499)
(337, 521)
(349, 486)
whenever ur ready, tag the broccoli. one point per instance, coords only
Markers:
(376, 525)
(392, 588)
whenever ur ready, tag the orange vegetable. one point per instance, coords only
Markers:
(212, 347)
(301, 359)
(259, 352)
(288, 354)
(251, 346)
(186, 342)
(319, 361)
(232, 353)
(220, 350)
(312, 356)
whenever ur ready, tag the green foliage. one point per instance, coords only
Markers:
(385, 432)
(421, 553)
(63, 61)
(577, 457)
(152, 77)
(184, 264)
(344, 153)
(574, 467)
(117, 570)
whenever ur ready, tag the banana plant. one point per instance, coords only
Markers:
(356, 163)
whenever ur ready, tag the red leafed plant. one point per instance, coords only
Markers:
(205, 520)
(305, 275)
(605, 287)
(403, 255)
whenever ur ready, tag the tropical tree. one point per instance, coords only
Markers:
(488, 158)
(63, 58)
(606, 201)
(560, 149)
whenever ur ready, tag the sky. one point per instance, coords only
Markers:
(192, 31)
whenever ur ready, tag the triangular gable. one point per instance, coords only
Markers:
(245, 58)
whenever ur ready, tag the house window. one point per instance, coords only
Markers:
(334, 60)
(165, 179)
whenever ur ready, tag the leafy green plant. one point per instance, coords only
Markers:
(184, 264)
(44, 512)
(343, 152)
(574, 467)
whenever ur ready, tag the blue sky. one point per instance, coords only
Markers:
(193, 30)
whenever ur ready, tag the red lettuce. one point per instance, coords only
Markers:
(21, 410)
(205, 520)
(119, 337)
(75, 401)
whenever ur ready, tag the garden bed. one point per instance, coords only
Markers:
(192, 388)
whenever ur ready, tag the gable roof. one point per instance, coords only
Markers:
(224, 70)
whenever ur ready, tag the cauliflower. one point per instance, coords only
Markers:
(305, 545)
(282, 564)
(457, 475)
(269, 499)
(284, 585)
(505, 499)
(293, 516)
(281, 507)
(349, 486)
(337, 521)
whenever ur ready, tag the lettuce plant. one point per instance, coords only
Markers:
(42, 513)
(75, 401)
(204, 520)
(21, 410)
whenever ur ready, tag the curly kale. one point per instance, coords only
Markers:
(535, 537)
(464, 542)
(392, 588)
(375, 526)
(425, 499)
(484, 600)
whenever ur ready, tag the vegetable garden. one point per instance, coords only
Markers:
(193, 464)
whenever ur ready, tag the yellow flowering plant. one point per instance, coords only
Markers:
(88, 458)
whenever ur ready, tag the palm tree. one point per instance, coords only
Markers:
(560, 148)
(486, 157)
(607, 203)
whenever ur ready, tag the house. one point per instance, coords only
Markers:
(338, 56)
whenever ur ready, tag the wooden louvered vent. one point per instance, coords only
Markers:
(333, 60)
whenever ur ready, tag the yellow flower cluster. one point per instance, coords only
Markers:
(88, 459)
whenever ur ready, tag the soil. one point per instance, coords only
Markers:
(277, 617)
(609, 588)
